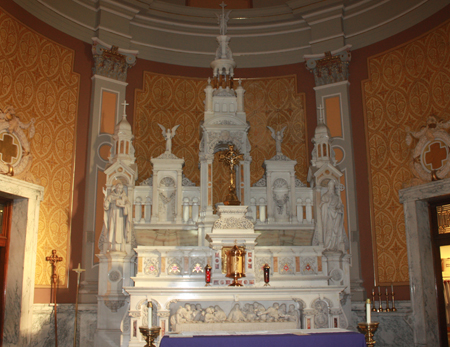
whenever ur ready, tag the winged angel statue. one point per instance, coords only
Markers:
(168, 136)
(278, 137)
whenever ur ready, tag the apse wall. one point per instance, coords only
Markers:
(45, 75)
(72, 62)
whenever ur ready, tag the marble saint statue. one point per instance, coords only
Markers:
(116, 230)
(332, 211)
(168, 136)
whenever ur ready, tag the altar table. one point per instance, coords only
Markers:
(339, 339)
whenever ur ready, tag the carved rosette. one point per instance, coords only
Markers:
(112, 62)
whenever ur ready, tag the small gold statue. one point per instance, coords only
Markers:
(231, 158)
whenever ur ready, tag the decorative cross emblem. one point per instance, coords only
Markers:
(8, 149)
(435, 156)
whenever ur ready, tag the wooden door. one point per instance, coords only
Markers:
(5, 226)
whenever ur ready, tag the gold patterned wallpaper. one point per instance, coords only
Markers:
(405, 86)
(37, 79)
(172, 100)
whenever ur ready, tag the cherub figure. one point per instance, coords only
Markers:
(168, 136)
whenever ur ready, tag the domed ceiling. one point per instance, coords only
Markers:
(262, 32)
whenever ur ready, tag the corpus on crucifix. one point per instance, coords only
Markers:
(231, 158)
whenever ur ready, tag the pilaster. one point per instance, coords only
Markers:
(108, 93)
(330, 71)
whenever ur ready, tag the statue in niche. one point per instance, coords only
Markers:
(281, 198)
(167, 192)
(168, 136)
(116, 230)
(332, 212)
(278, 137)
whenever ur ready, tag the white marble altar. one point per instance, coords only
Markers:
(22, 259)
(176, 234)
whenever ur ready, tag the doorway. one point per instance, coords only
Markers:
(5, 223)
(440, 240)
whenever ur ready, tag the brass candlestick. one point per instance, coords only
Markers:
(393, 302)
(373, 301)
(369, 329)
(380, 306)
(387, 302)
(150, 335)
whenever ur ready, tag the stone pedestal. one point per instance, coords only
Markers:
(115, 269)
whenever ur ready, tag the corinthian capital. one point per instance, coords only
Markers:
(112, 61)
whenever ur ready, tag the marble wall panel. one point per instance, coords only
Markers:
(44, 325)
(395, 328)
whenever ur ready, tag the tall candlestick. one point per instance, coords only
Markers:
(387, 302)
(150, 314)
(373, 300)
(368, 312)
(380, 306)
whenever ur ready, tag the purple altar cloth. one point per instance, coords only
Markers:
(340, 339)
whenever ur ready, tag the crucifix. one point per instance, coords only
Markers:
(231, 157)
(54, 259)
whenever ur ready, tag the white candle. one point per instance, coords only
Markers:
(368, 311)
(392, 288)
(150, 315)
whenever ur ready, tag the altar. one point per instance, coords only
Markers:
(164, 247)
(291, 339)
